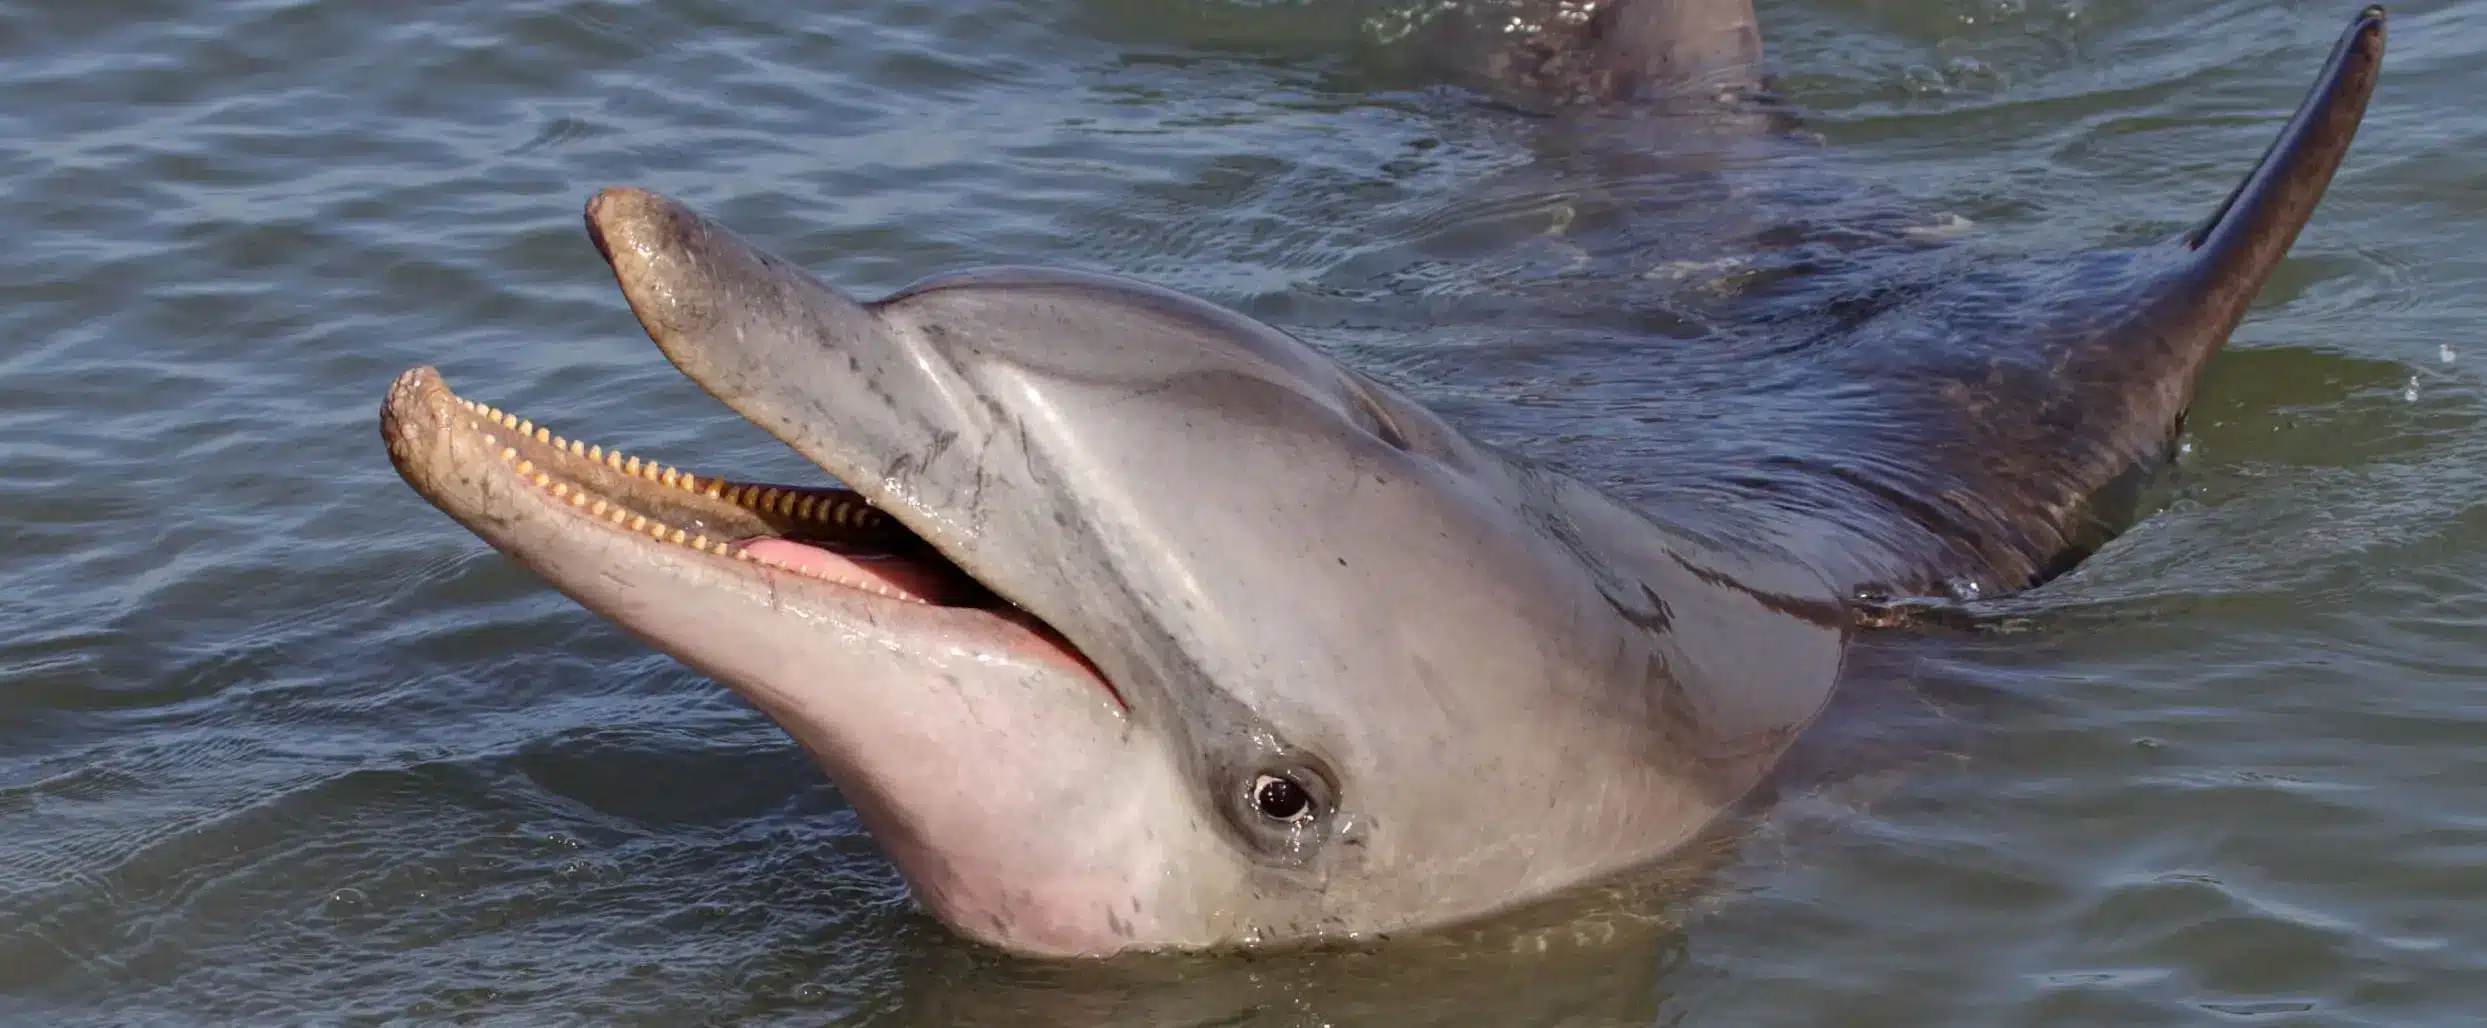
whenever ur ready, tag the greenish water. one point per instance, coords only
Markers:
(281, 744)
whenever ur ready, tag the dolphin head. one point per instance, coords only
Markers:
(1144, 625)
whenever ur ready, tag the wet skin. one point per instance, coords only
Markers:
(1146, 626)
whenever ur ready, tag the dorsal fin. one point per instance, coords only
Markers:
(2240, 243)
(1970, 433)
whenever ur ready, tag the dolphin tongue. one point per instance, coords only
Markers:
(892, 576)
(920, 580)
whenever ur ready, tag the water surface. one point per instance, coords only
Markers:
(281, 744)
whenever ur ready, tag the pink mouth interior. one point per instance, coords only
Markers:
(896, 577)
(920, 581)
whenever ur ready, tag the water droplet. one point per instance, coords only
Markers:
(2410, 391)
(347, 897)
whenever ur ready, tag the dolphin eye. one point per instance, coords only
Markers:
(1281, 799)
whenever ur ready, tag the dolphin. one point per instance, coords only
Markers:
(1139, 624)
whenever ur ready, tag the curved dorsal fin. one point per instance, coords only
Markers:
(2240, 243)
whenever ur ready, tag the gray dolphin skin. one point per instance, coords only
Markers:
(1142, 625)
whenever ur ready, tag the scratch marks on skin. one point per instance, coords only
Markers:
(942, 440)
(894, 475)
(967, 702)
(1656, 619)
(1027, 452)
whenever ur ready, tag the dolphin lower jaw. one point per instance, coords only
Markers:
(965, 733)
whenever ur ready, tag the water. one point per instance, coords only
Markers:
(280, 744)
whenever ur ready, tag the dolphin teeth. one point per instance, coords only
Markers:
(822, 507)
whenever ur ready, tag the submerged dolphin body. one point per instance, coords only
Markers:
(1147, 626)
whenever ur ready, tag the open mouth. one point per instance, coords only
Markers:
(827, 535)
